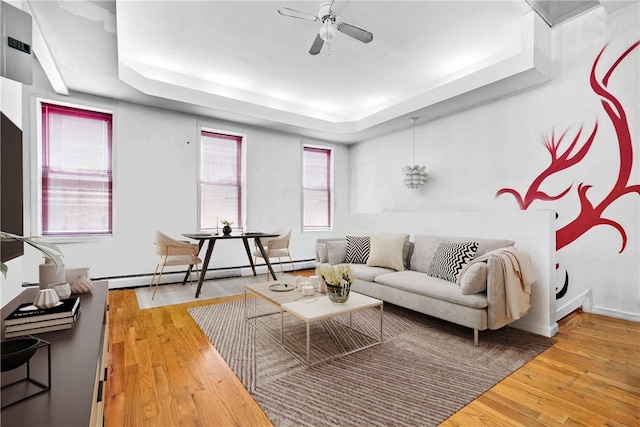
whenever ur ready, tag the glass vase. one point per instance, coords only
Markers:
(338, 293)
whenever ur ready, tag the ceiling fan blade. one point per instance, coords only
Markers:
(316, 46)
(355, 32)
(331, 7)
(338, 6)
(293, 13)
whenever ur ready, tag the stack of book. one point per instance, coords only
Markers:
(30, 320)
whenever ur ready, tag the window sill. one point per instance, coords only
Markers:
(317, 229)
(61, 240)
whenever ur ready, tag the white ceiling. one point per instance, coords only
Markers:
(242, 61)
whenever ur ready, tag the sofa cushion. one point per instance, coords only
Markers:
(358, 249)
(321, 252)
(422, 284)
(425, 245)
(368, 273)
(387, 250)
(450, 258)
(336, 251)
(474, 279)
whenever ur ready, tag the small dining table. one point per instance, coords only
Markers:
(213, 237)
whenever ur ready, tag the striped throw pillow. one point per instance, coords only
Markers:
(358, 249)
(450, 258)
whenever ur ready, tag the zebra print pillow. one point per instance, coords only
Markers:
(358, 249)
(450, 258)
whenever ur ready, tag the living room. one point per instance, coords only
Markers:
(470, 156)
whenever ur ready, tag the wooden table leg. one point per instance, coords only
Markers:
(186, 276)
(205, 265)
(245, 240)
(266, 258)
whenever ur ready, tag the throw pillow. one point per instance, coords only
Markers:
(475, 279)
(358, 249)
(336, 251)
(387, 251)
(424, 246)
(450, 258)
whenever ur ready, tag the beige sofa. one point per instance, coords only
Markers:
(410, 285)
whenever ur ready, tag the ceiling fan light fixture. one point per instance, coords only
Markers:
(328, 27)
(327, 31)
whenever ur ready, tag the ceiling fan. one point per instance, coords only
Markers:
(329, 26)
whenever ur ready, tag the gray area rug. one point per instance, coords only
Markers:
(216, 288)
(424, 371)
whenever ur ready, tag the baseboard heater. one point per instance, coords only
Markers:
(174, 277)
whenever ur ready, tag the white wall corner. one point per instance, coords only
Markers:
(45, 57)
(536, 328)
(11, 100)
(584, 300)
(542, 54)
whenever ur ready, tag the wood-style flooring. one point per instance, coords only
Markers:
(163, 371)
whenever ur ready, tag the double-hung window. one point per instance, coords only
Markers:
(220, 179)
(317, 188)
(76, 171)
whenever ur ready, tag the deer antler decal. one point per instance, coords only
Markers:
(591, 213)
(558, 163)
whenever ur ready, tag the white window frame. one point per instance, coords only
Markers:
(331, 150)
(36, 174)
(243, 173)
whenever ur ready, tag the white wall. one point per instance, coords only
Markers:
(473, 154)
(156, 184)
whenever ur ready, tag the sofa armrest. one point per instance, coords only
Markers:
(496, 297)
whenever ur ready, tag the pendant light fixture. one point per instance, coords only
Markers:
(414, 176)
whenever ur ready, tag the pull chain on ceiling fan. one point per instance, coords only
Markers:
(328, 29)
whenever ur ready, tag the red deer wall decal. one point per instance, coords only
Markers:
(591, 213)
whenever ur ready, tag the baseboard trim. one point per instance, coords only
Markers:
(617, 314)
(545, 331)
(574, 304)
(170, 278)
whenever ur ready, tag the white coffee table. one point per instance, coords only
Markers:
(319, 308)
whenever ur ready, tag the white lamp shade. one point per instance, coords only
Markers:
(414, 176)
(327, 31)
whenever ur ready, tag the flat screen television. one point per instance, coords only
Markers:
(10, 187)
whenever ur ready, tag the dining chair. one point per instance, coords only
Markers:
(275, 247)
(173, 252)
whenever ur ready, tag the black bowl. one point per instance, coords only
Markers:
(17, 352)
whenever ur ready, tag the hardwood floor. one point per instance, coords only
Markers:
(164, 372)
(590, 377)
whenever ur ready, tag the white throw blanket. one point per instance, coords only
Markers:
(519, 274)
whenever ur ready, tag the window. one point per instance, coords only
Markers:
(220, 179)
(76, 169)
(316, 185)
